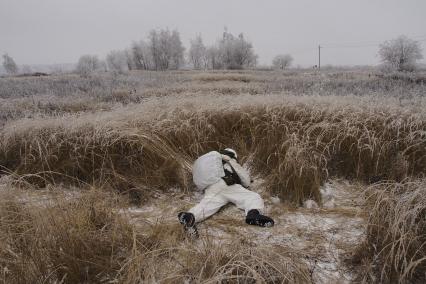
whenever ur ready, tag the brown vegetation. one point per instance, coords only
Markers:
(360, 127)
(293, 143)
(395, 249)
(88, 240)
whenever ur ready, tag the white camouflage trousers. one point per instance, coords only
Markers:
(220, 194)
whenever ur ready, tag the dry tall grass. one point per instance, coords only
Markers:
(56, 95)
(293, 143)
(87, 240)
(359, 127)
(395, 249)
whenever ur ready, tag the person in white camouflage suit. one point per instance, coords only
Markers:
(233, 187)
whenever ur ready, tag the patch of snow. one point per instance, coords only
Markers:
(310, 204)
(327, 195)
(139, 210)
(327, 190)
(329, 204)
(323, 236)
(275, 200)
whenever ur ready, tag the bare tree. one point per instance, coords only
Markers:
(282, 61)
(197, 53)
(400, 53)
(142, 56)
(233, 52)
(214, 60)
(159, 46)
(166, 49)
(9, 64)
(88, 64)
(129, 59)
(243, 55)
(155, 50)
(117, 61)
(177, 51)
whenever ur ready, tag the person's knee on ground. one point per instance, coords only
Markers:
(255, 218)
(212, 201)
(253, 201)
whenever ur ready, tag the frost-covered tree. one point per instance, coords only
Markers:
(117, 61)
(88, 64)
(166, 48)
(177, 51)
(214, 60)
(243, 54)
(141, 55)
(9, 64)
(282, 61)
(401, 53)
(232, 52)
(198, 53)
(154, 40)
(129, 59)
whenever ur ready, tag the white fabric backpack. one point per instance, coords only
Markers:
(207, 170)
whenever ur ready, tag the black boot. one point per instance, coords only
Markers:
(255, 218)
(188, 221)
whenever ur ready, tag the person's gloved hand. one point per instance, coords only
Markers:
(226, 158)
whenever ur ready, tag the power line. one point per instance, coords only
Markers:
(420, 38)
(365, 44)
(304, 50)
(351, 46)
(360, 45)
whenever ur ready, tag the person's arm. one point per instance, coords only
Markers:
(241, 172)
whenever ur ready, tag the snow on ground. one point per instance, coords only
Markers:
(324, 235)
(40, 197)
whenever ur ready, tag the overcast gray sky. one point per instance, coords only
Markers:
(59, 31)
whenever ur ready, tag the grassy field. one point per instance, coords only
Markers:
(76, 153)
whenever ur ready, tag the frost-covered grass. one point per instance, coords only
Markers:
(293, 142)
(68, 93)
(140, 133)
(87, 239)
(395, 248)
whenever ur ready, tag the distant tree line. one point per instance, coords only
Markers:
(163, 50)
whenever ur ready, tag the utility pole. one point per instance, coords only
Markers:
(319, 57)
